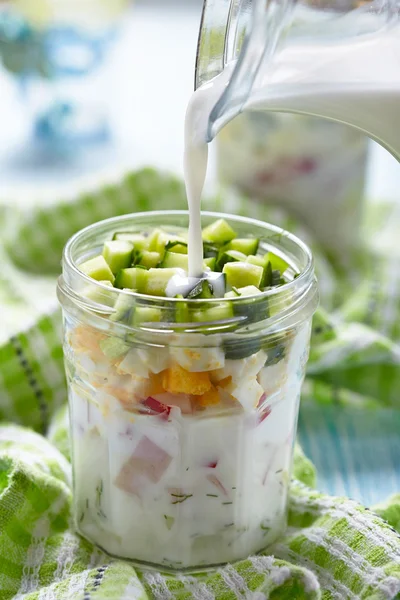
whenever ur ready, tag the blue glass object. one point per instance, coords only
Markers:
(42, 58)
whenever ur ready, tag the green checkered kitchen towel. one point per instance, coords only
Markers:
(333, 549)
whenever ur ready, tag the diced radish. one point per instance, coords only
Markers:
(212, 464)
(157, 407)
(263, 415)
(215, 481)
(148, 462)
(182, 401)
(262, 400)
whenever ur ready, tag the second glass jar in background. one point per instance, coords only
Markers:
(314, 169)
(182, 432)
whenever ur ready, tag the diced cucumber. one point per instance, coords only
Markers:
(277, 263)
(158, 241)
(134, 278)
(158, 279)
(172, 259)
(146, 314)
(284, 301)
(177, 246)
(139, 241)
(253, 309)
(233, 294)
(219, 312)
(242, 274)
(181, 311)
(201, 290)
(210, 262)
(210, 250)
(260, 261)
(249, 290)
(113, 347)
(181, 261)
(275, 351)
(276, 278)
(97, 268)
(98, 295)
(229, 256)
(245, 245)
(219, 232)
(267, 276)
(149, 259)
(118, 254)
(124, 309)
(236, 349)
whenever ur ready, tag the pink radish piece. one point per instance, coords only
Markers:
(148, 462)
(157, 407)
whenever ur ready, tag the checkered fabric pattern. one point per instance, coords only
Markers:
(334, 548)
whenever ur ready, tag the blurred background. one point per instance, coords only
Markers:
(94, 85)
(91, 90)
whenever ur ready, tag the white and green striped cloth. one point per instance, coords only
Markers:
(334, 548)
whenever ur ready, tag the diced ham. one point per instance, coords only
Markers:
(147, 463)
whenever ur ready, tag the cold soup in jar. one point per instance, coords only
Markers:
(184, 392)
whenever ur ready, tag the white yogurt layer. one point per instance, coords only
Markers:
(188, 486)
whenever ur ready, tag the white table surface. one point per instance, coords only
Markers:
(149, 81)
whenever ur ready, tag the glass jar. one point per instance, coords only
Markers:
(313, 168)
(182, 432)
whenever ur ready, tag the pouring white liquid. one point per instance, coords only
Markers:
(351, 83)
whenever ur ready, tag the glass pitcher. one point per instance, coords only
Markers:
(338, 59)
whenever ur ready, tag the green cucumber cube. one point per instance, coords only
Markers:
(173, 260)
(113, 347)
(97, 268)
(210, 262)
(277, 263)
(157, 281)
(134, 278)
(242, 274)
(219, 312)
(181, 311)
(200, 290)
(139, 241)
(249, 290)
(146, 314)
(245, 245)
(219, 232)
(99, 295)
(260, 261)
(158, 240)
(118, 254)
(178, 246)
(124, 308)
(149, 259)
(229, 256)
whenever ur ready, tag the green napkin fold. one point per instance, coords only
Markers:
(333, 549)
